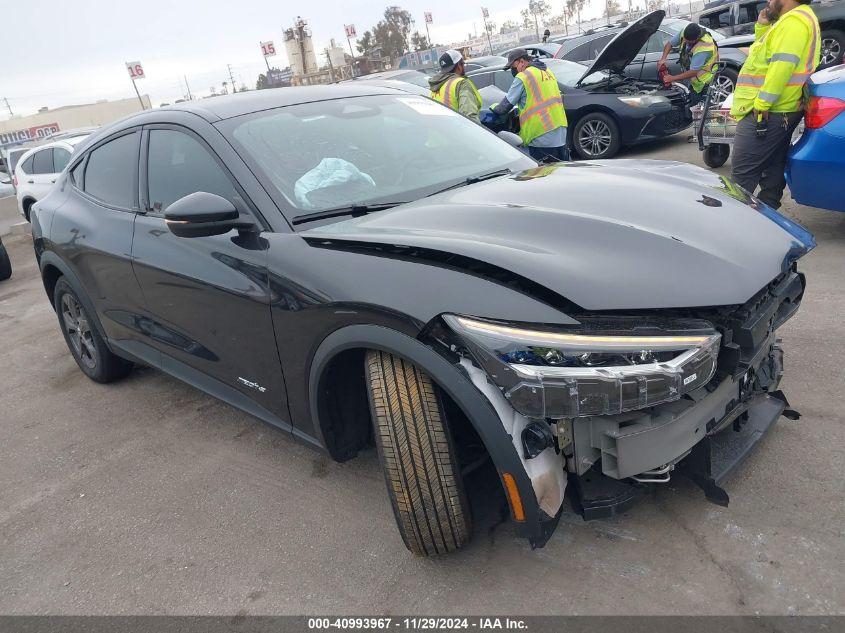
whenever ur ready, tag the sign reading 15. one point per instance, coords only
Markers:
(268, 49)
(136, 71)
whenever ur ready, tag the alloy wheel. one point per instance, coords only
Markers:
(79, 331)
(722, 87)
(831, 50)
(595, 137)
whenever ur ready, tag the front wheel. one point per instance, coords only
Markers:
(716, 154)
(417, 455)
(596, 135)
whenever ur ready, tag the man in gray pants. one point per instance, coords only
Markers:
(764, 159)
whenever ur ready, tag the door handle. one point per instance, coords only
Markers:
(53, 181)
(31, 182)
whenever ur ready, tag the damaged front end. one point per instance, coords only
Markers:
(617, 403)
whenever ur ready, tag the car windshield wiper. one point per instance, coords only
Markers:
(474, 179)
(353, 210)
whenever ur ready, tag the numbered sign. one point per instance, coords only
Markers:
(268, 49)
(428, 19)
(350, 30)
(485, 12)
(136, 71)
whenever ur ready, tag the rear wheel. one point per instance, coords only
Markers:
(5, 263)
(596, 136)
(417, 455)
(716, 155)
(88, 348)
(833, 47)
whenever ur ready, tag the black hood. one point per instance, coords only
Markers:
(620, 235)
(624, 47)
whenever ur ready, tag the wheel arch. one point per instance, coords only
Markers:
(354, 339)
(52, 269)
(26, 205)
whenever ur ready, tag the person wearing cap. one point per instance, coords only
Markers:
(542, 118)
(450, 87)
(699, 58)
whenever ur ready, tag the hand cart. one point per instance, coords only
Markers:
(715, 129)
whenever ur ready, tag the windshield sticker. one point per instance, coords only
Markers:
(426, 106)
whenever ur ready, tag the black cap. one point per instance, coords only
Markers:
(517, 53)
(692, 32)
(449, 60)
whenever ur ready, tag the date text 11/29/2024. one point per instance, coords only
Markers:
(417, 623)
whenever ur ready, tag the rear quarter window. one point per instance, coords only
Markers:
(112, 170)
(26, 166)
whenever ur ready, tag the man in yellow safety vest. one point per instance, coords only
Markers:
(698, 58)
(452, 88)
(542, 118)
(768, 100)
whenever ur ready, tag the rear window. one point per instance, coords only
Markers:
(110, 175)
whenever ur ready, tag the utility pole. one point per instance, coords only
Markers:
(331, 66)
(190, 96)
(232, 78)
(484, 15)
(8, 106)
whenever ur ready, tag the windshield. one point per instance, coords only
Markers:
(568, 73)
(366, 150)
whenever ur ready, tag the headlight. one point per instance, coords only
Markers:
(644, 101)
(602, 367)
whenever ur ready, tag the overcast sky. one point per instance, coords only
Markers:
(60, 53)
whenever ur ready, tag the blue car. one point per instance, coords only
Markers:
(816, 164)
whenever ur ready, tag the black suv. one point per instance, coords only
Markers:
(355, 265)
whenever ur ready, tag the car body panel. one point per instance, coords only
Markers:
(816, 162)
(522, 224)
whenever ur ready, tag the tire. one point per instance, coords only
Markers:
(417, 454)
(716, 155)
(5, 263)
(27, 207)
(87, 347)
(596, 136)
(833, 47)
(721, 88)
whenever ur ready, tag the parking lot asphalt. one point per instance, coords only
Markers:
(149, 497)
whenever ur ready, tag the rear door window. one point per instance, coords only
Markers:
(482, 80)
(42, 162)
(112, 170)
(656, 42)
(597, 45)
(178, 165)
(503, 80)
(580, 53)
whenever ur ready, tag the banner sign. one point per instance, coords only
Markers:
(35, 133)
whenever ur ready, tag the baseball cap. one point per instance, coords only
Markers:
(449, 60)
(692, 32)
(517, 53)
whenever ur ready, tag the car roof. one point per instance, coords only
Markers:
(228, 106)
(65, 142)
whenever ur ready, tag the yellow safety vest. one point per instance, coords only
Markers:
(774, 79)
(543, 111)
(447, 94)
(705, 74)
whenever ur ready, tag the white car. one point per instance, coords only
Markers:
(37, 170)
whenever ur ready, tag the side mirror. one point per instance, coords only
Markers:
(510, 138)
(202, 214)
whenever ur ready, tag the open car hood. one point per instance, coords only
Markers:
(624, 47)
(612, 235)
